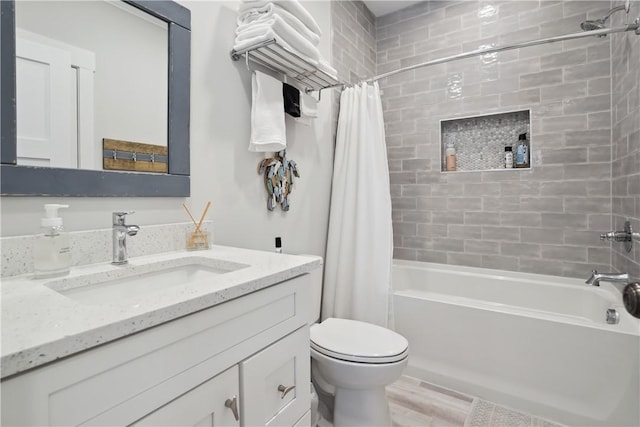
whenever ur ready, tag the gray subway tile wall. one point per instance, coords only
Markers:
(544, 220)
(353, 45)
(625, 77)
(551, 80)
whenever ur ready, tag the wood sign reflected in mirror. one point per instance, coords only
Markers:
(134, 156)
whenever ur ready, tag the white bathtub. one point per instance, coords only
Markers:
(539, 344)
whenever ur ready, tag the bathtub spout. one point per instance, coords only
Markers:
(596, 278)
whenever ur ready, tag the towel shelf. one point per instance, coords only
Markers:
(276, 58)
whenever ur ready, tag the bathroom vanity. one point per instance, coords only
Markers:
(111, 345)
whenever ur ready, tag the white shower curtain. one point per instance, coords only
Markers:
(357, 282)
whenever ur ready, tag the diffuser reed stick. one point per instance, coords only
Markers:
(189, 213)
(198, 239)
(206, 209)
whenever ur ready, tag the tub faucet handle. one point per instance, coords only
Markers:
(626, 236)
(618, 236)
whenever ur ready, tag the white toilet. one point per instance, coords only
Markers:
(354, 361)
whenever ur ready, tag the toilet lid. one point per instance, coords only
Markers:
(356, 341)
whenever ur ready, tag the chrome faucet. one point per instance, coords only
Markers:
(120, 233)
(596, 278)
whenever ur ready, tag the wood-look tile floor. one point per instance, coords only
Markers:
(415, 403)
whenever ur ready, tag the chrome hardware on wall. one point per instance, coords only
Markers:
(631, 298)
(596, 278)
(612, 316)
(285, 390)
(627, 236)
(233, 405)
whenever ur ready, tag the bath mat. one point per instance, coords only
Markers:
(487, 414)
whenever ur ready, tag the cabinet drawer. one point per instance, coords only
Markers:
(202, 406)
(267, 378)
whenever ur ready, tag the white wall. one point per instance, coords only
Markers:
(130, 81)
(222, 170)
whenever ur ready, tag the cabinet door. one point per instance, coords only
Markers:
(275, 383)
(205, 405)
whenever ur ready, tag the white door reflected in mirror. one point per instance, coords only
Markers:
(87, 71)
(45, 122)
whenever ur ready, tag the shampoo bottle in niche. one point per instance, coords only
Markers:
(450, 157)
(52, 250)
(522, 152)
(508, 157)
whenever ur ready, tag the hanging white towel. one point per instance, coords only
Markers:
(266, 13)
(293, 6)
(308, 106)
(268, 131)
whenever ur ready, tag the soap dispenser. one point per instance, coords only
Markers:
(52, 249)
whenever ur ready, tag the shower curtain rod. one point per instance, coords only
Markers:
(601, 32)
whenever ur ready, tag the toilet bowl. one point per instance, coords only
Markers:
(352, 362)
(355, 361)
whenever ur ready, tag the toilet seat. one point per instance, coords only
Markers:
(355, 341)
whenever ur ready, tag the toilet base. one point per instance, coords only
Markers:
(349, 404)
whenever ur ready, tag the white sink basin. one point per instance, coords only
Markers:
(135, 282)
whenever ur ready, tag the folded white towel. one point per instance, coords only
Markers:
(308, 106)
(324, 65)
(268, 131)
(265, 14)
(292, 6)
(283, 32)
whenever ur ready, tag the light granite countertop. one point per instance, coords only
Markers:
(40, 324)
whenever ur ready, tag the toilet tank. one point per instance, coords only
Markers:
(315, 280)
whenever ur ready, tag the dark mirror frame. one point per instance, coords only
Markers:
(18, 180)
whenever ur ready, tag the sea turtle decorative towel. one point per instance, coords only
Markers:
(278, 179)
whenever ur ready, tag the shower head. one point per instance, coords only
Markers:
(598, 24)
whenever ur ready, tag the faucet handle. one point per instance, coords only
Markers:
(119, 217)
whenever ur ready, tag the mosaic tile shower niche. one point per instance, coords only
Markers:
(479, 141)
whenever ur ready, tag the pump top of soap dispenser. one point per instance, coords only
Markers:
(52, 218)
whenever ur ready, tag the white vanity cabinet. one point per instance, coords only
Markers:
(254, 349)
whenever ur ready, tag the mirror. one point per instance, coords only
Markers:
(99, 70)
(130, 98)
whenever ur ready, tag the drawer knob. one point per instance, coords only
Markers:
(233, 405)
(284, 390)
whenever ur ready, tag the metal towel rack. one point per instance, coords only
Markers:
(275, 57)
